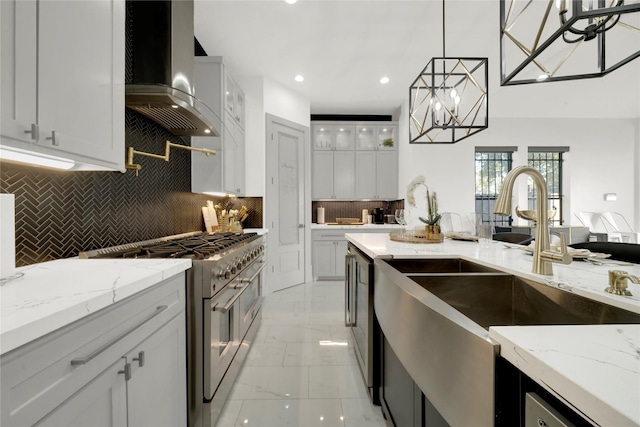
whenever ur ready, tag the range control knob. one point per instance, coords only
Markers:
(221, 274)
(234, 267)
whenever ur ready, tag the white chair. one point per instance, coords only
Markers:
(621, 226)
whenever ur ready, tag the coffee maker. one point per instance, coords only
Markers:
(378, 216)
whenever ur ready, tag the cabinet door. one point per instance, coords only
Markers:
(322, 179)
(387, 137)
(240, 161)
(366, 137)
(240, 107)
(340, 253)
(322, 137)
(81, 79)
(101, 403)
(386, 174)
(344, 184)
(366, 176)
(229, 94)
(324, 259)
(17, 69)
(345, 137)
(157, 390)
(229, 155)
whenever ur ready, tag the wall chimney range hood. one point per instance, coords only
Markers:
(162, 45)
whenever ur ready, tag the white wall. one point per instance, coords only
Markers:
(264, 96)
(603, 158)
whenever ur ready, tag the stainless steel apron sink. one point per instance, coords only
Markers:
(436, 314)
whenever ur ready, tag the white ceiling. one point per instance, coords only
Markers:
(343, 48)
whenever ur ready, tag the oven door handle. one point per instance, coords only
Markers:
(256, 274)
(244, 283)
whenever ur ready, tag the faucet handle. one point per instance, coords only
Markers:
(618, 282)
(561, 257)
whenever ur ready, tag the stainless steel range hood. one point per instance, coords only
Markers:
(162, 64)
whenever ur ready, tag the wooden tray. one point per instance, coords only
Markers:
(412, 237)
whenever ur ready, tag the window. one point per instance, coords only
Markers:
(492, 165)
(548, 160)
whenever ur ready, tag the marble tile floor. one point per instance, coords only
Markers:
(302, 371)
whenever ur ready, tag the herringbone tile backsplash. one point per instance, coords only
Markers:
(59, 214)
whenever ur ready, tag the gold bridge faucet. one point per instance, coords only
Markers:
(618, 282)
(543, 256)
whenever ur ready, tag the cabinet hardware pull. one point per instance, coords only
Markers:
(35, 131)
(126, 371)
(84, 360)
(53, 138)
(140, 359)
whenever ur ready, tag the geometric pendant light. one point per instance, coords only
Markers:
(448, 101)
(554, 40)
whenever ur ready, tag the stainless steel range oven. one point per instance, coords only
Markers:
(224, 296)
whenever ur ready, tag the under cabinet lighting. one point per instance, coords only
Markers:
(36, 159)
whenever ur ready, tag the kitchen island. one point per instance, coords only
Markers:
(593, 369)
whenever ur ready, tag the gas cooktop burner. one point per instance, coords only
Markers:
(200, 246)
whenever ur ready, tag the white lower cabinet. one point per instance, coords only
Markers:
(101, 403)
(124, 365)
(329, 247)
(328, 258)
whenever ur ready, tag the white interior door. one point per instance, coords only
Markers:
(285, 203)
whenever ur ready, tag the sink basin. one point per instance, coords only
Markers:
(442, 265)
(505, 300)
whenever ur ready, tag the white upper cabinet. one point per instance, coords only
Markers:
(63, 80)
(333, 137)
(354, 161)
(376, 137)
(233, 99)
(225, 171)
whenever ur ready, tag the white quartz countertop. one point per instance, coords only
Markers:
(363, 227)
(578, 277)
(53, 294)
(594, 368)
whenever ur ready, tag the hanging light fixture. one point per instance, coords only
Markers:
(448, 101)
(552, 40)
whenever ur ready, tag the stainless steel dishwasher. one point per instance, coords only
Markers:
(359, 315)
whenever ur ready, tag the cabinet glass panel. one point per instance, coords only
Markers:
(240, 107)
(344, 137)
(229, 94)
(366, 138)
(387, 137)
(322, 137)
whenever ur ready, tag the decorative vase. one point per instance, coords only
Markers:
(433, 233)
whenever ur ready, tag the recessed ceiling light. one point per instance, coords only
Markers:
(291, 1)
(384, 80)
(299, 78)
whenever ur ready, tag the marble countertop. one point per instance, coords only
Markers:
(594, 368)
(53, 294)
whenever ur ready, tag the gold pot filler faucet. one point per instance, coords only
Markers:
(167, 148)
